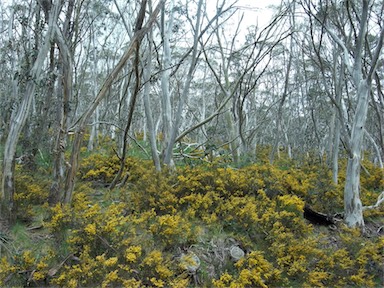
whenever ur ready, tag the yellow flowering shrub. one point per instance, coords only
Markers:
(156, 267)
(6, 270)
(252, 271)
(136, 235)
(30, 190)
(171, 230)
(132, 253)
(374, 179)
(153, 191)
(60, 218)
(26, 268)
(99, 167)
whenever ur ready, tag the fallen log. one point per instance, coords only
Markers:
(317, 218)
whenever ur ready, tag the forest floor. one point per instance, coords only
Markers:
(202, 225)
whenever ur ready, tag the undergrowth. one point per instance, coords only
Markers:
(181, 228)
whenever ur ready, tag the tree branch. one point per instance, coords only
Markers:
(380, 200)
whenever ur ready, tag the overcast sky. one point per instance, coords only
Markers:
(257, 10)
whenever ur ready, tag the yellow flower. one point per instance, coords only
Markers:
(157, 282)
(111, 261)
(41, 265)
(132, 253)
(90, 229)
(37, 276)
(223, 282)
(110, 277)
(132, 283)
(316, 278)
(72, 283)
(29, 260)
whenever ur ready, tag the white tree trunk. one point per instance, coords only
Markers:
(95, 126)
(166, 107)
(168, 155)
(337, 124)
(147, 107)
(58, 162)
(335, 152)
(19, 118)
(353, 207)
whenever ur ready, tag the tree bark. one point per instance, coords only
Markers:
(353, 208)
(337, 124)
(18, 120)
(147, 107)
(166, 107)
(131, 107)
(66, 58)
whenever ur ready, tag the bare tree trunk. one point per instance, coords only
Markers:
(15, 88)
(62, 131)
(279, 117)
(166, 31)
(168, 157)
(131, 107)
(353, 207)
(230, 120)
(18, 120)
(335, 151)
(337, 124)
(82, 122)
(147, 108)
(379, 109)
(95, 126)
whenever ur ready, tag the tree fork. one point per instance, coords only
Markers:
(82, 122)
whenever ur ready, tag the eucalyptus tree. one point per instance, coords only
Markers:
(65, 41)
(352, 40)
(19, 115)
(171, 123)
(330, 82)
(177, 60)
(140, 30)
(147, 107)
(286, 90)
(9, 55)
(237, 71)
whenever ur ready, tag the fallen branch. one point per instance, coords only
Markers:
(52, 272)
(317, 218)
(35, 227)
(380, 200)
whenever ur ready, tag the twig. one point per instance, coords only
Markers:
(106, 243)
(139, 145)
(52, 272)
(35, 227)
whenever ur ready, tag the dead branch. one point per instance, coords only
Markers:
(380, 200)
